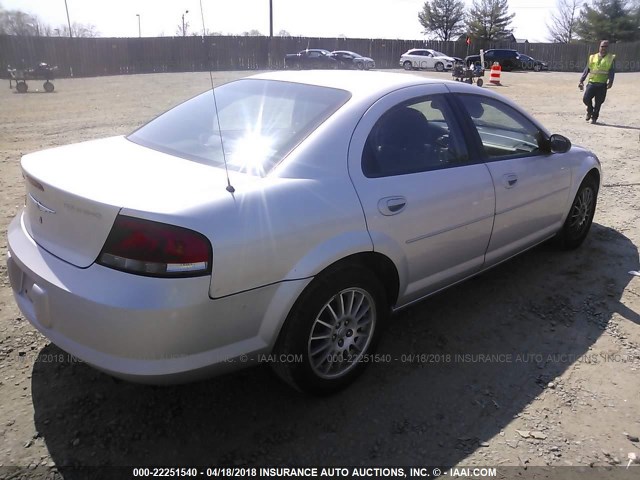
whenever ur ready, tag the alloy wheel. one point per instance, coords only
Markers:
(581, 211)
(341, 333)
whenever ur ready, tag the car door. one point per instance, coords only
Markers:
(429, 60)
(427, 208)
(313, 59)
(531, 186)
(347, 60)
(514, 61)
(342, 59)
(417, 59)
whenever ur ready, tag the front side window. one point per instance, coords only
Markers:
(258, 122)
(413, 137)
(504, 132)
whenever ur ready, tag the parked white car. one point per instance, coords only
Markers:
(424, 58)
(285, 225)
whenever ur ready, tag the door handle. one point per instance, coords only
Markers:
(509, 180)
(391, 205)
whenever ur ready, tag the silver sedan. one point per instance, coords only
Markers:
(282, 218)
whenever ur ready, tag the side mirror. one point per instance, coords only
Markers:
(559, 143)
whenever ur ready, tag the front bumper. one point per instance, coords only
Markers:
(151, 330)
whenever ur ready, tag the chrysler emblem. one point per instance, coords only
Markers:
(41, 206)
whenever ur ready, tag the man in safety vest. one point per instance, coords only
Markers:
(601, 70)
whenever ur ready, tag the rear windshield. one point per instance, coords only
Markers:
(258, 123)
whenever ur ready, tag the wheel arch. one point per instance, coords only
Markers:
(344, 273)
(380, 265)
(595, 174)
(577, 221)
(582, 168)
(591, 172)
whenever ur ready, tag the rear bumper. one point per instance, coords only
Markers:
(139, 328)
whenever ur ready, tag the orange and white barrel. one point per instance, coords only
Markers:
(494, 77)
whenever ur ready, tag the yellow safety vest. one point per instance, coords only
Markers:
(599, 67)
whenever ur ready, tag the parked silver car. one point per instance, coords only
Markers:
(285, 225)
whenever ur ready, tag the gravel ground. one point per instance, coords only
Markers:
(534, 363)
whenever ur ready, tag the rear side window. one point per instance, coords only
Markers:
(504, 132)
(414, 137)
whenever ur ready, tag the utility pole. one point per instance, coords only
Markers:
(271, 18)
(139, 30)
(68, 21)
(184, 33)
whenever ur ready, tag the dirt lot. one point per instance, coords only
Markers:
(565, 328)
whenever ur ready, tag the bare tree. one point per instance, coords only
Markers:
(563, 23)
(182, 30)
(252, 33)
(16, 22)
(80, 30)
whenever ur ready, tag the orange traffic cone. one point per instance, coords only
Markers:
(494, 77)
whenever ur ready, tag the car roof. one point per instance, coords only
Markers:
(358, 83)
(365, 86)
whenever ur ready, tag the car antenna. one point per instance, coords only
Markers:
(230, 188)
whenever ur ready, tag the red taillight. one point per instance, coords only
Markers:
(151, 248)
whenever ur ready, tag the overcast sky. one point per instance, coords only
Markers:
(327, 18)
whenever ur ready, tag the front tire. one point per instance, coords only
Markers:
(578, 222)
(439, 67)
(332, 327)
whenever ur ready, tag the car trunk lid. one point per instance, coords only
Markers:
(74, 193)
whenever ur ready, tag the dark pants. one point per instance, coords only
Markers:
(597, 91)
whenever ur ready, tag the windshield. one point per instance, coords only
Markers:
(259, 122)
(439, 54)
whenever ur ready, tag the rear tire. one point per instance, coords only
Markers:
(407, 65)
(333, 326)
(578, 222)
(479, 82)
